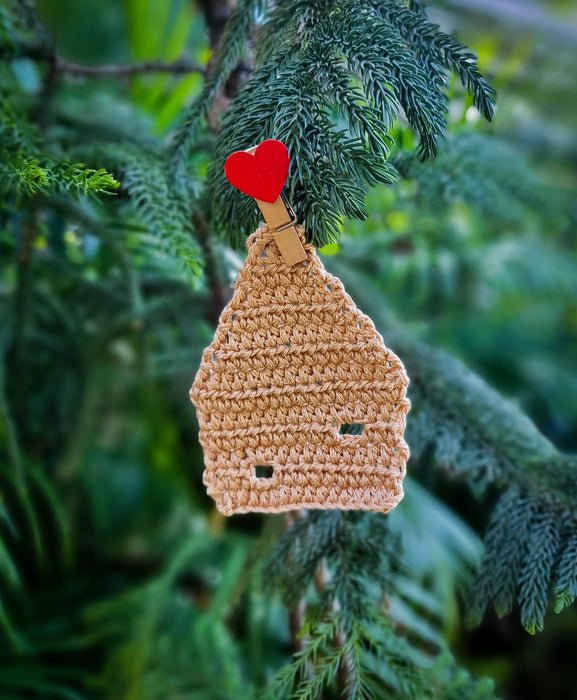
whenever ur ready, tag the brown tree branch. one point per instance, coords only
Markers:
(220, 287)
(60, 65)
(216, 14)
(179, 67)
(346, 667)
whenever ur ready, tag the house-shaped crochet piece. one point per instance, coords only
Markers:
(292, 366)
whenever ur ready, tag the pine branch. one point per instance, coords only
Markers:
(487, 585)
(529, 543)
(457, 684)
(167, 216)
(438, 50)
(565, 590)
(17, 134)
(456, 416)
(31, 176)
(330, 81)
(294, 675)
(466, 428)
(517, 523)
(520, 561)
(290, 23)
(384, 53)
(26, 170)
(349, 642)
(538, 567)
(486, 173)
(177, 647)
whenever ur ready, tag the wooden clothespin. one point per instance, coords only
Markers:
(261, 172)
(281, 218)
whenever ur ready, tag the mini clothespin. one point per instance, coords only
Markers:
(261, 172)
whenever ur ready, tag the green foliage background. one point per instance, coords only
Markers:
(119, 239)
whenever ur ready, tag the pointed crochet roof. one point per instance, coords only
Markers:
(292, 361)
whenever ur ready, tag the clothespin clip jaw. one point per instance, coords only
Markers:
(261, 172)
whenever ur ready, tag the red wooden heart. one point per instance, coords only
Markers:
(261, 175)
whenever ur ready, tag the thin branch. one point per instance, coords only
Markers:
(63, 66)
(217, 14)
(345, 672)
(297, 614)
(220, 287)
(180, 67)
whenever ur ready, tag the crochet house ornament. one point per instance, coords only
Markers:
(300, 403)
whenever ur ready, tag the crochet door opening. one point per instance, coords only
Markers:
(263, 471)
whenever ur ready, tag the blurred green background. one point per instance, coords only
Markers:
(119, 578)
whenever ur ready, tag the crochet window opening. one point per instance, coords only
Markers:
(263, 471)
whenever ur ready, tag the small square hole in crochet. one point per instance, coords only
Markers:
(351, 429)
(263, 471)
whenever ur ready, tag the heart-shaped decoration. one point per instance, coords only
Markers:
(261, 175)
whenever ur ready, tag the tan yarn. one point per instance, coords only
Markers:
(292, 360)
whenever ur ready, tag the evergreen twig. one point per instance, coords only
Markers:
(179, 67)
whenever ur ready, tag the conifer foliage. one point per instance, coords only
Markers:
(117, 238)
(332, 91)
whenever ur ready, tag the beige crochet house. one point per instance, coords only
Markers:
(293, 361)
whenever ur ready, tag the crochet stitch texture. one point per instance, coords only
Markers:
(293, 359)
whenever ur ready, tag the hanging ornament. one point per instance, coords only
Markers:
(300, 403)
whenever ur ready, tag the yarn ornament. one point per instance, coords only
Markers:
(300, 403)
